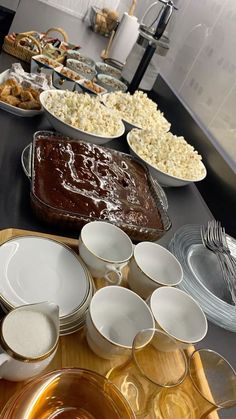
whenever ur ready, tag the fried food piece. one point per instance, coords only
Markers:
(30, 105)
(11, 100)
(10, 82)
(35, 93)
(16, 90)
(6, 91)
(26, 96)
(14, 94)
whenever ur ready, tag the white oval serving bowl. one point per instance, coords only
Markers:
(84, 70)
(111, 84)
(103, 68)
(164, 178)
(128, 125)
(75, 55)
(71, 131)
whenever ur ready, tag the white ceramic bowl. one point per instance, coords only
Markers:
(71, 131)
(103, 68)
(83, 87)
(111, 84)
(115, 316)
(81, 68)
(75, 55)
(128, 125)
(152, 266)
(179, 315)
(163, 178)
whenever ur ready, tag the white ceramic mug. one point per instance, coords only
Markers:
(152, 266)
(116, 314)
(15, 364)
(105, 249)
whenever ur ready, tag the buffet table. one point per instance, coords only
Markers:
(186, 205)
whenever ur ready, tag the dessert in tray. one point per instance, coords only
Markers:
(76, 182)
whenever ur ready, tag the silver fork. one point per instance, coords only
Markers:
(219, 239)
(223, 244)
(210, 238)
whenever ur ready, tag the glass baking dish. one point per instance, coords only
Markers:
(74, 220)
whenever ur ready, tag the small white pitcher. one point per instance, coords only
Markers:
(15, 366)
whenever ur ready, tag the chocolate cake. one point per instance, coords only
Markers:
(93, 182)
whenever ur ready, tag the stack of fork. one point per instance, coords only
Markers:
(214, 238)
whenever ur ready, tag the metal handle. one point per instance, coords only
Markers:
(165, 16)
(169, 2)
(161, 194)
(26, 159)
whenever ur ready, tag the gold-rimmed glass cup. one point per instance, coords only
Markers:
(209, 386)
(156, 363)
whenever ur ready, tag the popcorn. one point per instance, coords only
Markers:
(137, 109)
(84, 112)
(168, 153)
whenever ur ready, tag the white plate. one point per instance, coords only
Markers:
(13, 109)
(36, 269)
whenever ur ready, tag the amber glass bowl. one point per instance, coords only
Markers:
(68, 394)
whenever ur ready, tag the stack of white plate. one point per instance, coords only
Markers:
(36, 269)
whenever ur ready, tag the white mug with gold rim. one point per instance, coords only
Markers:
(152, 266)
(105, 249)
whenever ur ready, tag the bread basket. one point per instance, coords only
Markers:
(14, 45)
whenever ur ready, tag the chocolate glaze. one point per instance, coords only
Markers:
(93, 181)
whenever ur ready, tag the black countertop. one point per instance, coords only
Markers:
(186, 205)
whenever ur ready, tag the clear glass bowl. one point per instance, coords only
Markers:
(202, 277)
(67, 394)
(75, 220)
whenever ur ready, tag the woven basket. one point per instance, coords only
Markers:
(61, 31)
(18, 50)
(58, 30)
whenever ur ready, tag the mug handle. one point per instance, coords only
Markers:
(3, 359)
(116, 271)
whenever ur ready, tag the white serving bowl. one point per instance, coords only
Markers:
(75, 55)
(84, 70)
(152, 266)
(164, 178)
(82, 86)
(179, 315)
(69, 130)
(128, 125)
(111, 84)
(103, 68)
(115, 316)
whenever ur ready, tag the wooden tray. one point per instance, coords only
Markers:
(73, 350)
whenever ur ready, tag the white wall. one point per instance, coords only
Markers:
(201, 66)
(79, 7)
(10, 4)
